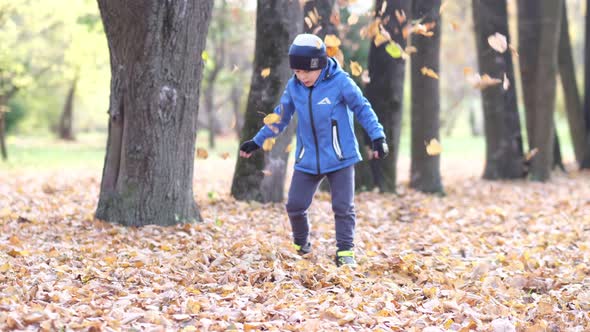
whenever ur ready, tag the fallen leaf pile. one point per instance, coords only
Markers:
(490, 256)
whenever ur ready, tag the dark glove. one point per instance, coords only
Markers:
(381, 147)
(249, 146)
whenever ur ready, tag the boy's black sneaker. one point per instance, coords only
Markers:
(302, 250)
(345, 257)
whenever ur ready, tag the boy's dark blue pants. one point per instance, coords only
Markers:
(304, 186)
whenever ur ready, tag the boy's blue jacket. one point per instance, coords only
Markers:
(325, 128)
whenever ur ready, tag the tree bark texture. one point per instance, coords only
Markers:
(425, 109)
(156, 66)
(66, 121)
(573, 103)
(385, 91)
(539, 22)
(586, 160)
(317, 14)
(504, 152)
(277, 24)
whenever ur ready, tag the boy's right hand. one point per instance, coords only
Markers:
(247, 148)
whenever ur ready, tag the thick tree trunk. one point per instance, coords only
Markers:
(567, 73)
(385, 91)
(66, 121)
(156, 70)
(425, 169)
(321, 25)
(586, 160)
(504, 152)
(277, 24)
(539, 23)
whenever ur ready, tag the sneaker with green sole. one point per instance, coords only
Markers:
(302, 250)
(345, 257)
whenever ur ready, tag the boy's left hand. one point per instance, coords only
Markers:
(380, 148)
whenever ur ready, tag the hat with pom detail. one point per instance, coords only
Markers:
(307, 52)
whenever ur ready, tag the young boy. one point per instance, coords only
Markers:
(325, 99)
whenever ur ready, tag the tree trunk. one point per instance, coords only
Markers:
(539, 23)
(586, 160)
(236, 101)
(567, 73)
(557, 158)
(2, 136)
(322, 25)
(425, 122)
(156, 69)
(277, 24)
(385, 91)
(504, 152)
(66, 121)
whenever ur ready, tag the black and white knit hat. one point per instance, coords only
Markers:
(307, 52)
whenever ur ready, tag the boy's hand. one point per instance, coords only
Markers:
(380, 148)
(247, 148)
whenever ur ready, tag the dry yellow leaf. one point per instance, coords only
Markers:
(4, 267)
(355, 68)
(468, 71)
(429, 72)
(224, 155)
(265, 72)
(268, 144)
(332, 51)
(410, 50)
(380, 39)
(485, 81)
(272, 118)
(202, 153)
(289, 148)
(332, 41)
(454, 26)
(110, 260)
(433, 148)
(352, 19)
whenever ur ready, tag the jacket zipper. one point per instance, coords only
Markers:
(315, 136)
(336, 140)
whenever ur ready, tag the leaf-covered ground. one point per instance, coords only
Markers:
(490, 256)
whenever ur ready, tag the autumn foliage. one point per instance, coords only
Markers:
(488, 256)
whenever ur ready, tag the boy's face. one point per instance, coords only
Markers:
(307, 77)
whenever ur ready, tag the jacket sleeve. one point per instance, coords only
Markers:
(362, 109)
(285, 109)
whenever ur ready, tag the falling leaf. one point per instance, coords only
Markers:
(332, 51)
(332, 41)
(289, 148)
(410, 50)
(433, 148)
(265, 72)
(224, 155)
(268, 144)
(383, 8)
(531, 154)
(394, 50)
(272, 118)
(455, 26)
(498, 42)
(484, 81)
(429, 72)
(400, 15)
(205, 56)
(506, 82)
(352, 19)
(308, 22)
(202, 153)
(266, 172)
(468, 71)
(235, 69)
(380, 39)
(355, 68)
